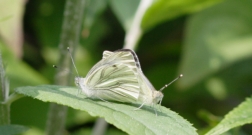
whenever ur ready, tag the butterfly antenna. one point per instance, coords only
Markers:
(72, 60)
(181, 75)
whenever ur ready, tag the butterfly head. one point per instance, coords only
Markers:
(157, 97)
(79, 81)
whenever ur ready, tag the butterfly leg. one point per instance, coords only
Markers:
(153, 106)
(78, 91)
(139, 106)
(159, 106)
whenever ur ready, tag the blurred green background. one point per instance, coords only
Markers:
(208, 41)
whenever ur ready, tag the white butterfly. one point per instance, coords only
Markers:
(118, 77)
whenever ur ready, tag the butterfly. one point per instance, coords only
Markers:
(118, 77)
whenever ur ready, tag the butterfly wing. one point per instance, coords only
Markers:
(124, 56)
(146, 90)
(115, 77)
(148, 94)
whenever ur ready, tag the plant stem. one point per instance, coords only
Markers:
(13, 97)
(135, 32)
(4, 114)
(100, 127)
(73, 14)
(4, 94)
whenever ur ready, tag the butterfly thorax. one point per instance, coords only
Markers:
(80, 82)
(157, 97)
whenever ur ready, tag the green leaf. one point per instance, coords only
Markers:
(143, 121)
(125, 11)
(216, 38)
(12, 129)
(163, 10)
(237, 117)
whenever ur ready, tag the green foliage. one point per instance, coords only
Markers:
(216, 38)
(239, 116)
(163, 10)
(19, 72)
(121, 115)
(12, 129)
(209, 41)
(10, 19)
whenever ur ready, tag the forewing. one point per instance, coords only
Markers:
(123, 56)
(115, 77)
(106, 54)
